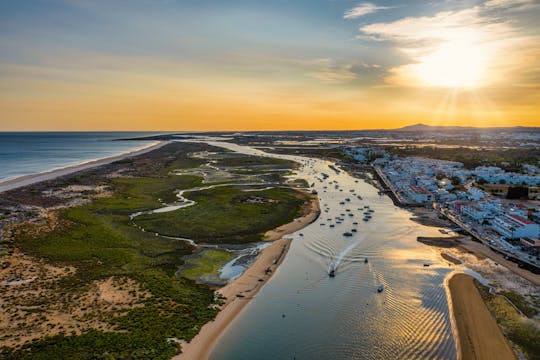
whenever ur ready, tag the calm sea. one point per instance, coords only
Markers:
(25, 153)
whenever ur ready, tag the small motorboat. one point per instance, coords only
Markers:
(332, 273)
(380, 288)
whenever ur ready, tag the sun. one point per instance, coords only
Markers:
(458, 64)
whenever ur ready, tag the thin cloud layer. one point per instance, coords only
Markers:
(361, 10)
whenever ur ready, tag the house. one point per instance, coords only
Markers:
(475, 194)
(419, 194)
(530, 242)
(475, 211)
(515, 226)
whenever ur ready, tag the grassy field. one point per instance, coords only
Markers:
(100, 241)
(521, 331)
(205, 264)
(236, 160)
(227, 215)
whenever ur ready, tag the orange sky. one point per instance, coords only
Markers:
(191, 68)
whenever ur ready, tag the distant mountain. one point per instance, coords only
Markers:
(430, 128)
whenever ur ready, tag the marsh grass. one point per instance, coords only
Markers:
(523, 332)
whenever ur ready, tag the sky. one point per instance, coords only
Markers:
(267, 65)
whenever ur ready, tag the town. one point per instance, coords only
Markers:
(494, 206)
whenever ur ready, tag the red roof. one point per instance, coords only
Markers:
(419, 189)
(521, 219)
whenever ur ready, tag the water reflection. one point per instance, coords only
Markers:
(345, 317)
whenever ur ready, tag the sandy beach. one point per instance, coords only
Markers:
(479, 336)
(245, 287)
(49, 175)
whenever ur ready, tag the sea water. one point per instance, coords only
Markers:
(26, 153)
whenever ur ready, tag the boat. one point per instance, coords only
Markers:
(347, 234)
(353, 230)
(332, 273)
(365, 261)
(380, 288)
(426, 264)
(332, 225)
(355, 223)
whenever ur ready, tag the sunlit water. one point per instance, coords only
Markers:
(302, 313)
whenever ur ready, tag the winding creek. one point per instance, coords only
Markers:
(302, 313)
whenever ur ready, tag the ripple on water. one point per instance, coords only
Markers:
(344, 317)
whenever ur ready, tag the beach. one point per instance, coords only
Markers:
(242, 289)
(478, 333)
(49, 175)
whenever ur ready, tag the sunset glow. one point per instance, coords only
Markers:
(286, 65)
(453, 65)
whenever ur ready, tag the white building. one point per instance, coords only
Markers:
(419, 194)
(515, 226)
(476, 212)
(475, 194)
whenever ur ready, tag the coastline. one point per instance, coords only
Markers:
(51, 174)
(478, 335)
(247, 286)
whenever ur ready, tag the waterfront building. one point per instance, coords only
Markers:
(515, 227)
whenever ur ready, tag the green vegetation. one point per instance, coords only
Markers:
(472, 158)
(521, 331)
(227, 215)
(520, 303)
(206, 263)
(333, 153)
(100, 241)
(302, 183)
(250, 161)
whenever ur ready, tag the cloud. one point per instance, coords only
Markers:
(361, 10)
(515, 4)
(455, 41)
(338, 70)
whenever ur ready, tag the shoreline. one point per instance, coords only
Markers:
(30, 179)
(478, 335)
(247, 286)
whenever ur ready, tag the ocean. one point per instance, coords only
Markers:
(26, 153)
